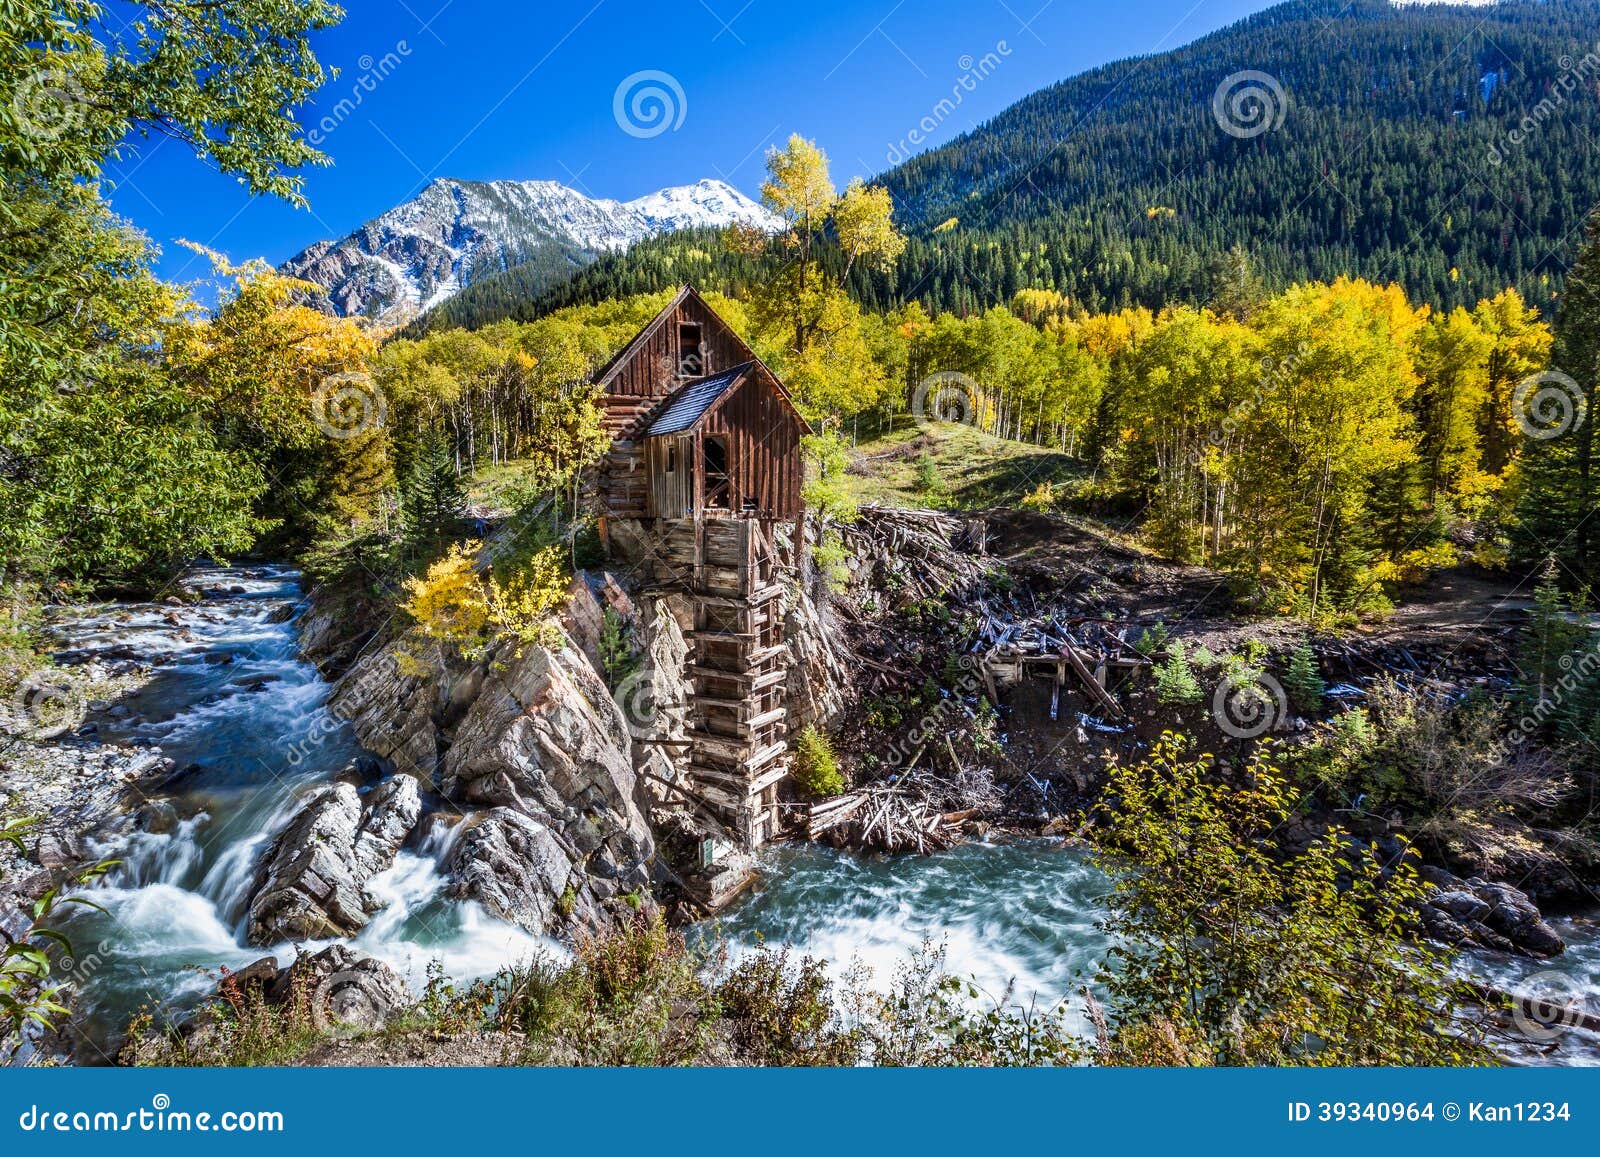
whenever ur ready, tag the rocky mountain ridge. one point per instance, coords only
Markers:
(426, 250)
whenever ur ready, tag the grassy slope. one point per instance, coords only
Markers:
(977, 471)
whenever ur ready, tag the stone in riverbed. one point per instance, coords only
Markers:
(1486, 914)
(311, 885)
(514, 866)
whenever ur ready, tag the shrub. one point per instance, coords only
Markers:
(1175, 681)
(1303, 681)
(782, 1013)
(816, 768)
(450, 604)
(634, 997)
(28, 996)
(1233, 954)
(454, 606)
(1041, 499)
(1153, 639)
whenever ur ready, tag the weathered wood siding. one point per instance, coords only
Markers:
(763, 437)
(652, 371)
(670, 493)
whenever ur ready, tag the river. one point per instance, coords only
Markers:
(247, 723)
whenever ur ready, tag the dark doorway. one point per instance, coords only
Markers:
(715, 459)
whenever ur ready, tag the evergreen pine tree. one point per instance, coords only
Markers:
(1303, 681)
(1557, 513)
(433, 502)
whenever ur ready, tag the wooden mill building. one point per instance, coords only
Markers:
(703, 476)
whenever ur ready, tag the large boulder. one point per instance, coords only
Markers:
(393, 703)
(346, 991)
(546, 740)
(530, 744)
(1486, 914)
(311, 886)
(516, 867)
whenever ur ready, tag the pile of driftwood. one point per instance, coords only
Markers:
(912, 811)
(919, 553)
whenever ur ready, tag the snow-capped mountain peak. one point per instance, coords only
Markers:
(453, 233)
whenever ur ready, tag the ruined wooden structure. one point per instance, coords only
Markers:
(704, 473)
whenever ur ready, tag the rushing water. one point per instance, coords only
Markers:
(1009, 916)
(1022, 916)
(247, 724)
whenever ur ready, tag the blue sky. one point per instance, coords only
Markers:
(486, 89)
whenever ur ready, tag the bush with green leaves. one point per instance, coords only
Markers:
(1227, 951)
(29, 997)
(816, 767)
(1175, 681)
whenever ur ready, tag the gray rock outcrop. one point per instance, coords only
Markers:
(530, 745)
(311, 886)
(1486, 914)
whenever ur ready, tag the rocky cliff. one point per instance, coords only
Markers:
(524, 757)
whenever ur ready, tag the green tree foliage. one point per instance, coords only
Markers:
(1303, 681)
(1229, 951)
(1560, 506)
(816, 768)
(111, 468)
(433, 503)
(1175, 681)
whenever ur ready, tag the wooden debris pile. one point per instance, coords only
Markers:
(917, 810)
(920, 554)
(1091, 652)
